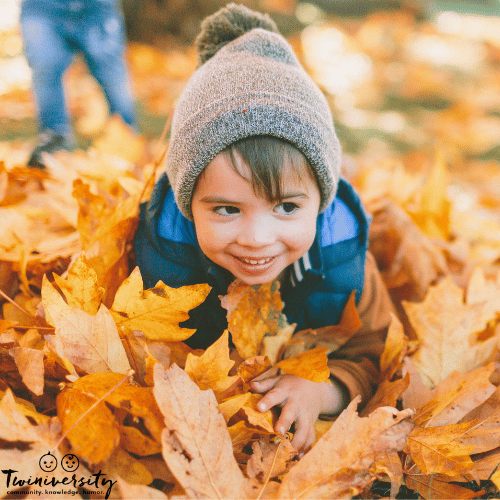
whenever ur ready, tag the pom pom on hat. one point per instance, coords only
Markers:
(249, 83)
(226, 25)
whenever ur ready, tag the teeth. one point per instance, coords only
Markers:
(256, 262)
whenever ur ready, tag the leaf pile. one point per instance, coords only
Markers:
(94, 365)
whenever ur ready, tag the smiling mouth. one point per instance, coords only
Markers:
(255, 262)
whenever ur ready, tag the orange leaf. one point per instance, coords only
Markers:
(253, 312)
(311, 365)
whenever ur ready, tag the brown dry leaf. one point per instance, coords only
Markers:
(91, 342)
(30, 365)
(432, 486)
(269, 459)
(157, 311)
(456, 396)
(81, 288)
(253, 312)
(439, 450)
(447, 329)
(311, 365)
(388, 465)
(211, 369)
(196, 444)
(351, 445)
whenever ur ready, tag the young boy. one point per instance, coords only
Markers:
(252, 191)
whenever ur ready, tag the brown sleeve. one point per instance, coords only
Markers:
(356, 363)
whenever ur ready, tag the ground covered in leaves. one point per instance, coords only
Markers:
(99, 393)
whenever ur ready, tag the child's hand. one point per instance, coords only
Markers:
(302, 401)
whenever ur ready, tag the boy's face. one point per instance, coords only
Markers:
(253, 238)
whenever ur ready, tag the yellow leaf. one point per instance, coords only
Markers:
(80, 287)
(439, 451)
(158, 311)
(253, 312)
(231, 406)
(311, 365)
(90, 342)
(211, 369)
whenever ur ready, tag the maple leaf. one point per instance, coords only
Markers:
(211, 369)
(351, 445)
(157, 311)
(253, 312)
(81, 288)
(90, 342)
(446, 329)
(196, 444)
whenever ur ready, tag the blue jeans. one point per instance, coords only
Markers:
(53, 32)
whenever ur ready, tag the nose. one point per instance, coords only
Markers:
(257, 232)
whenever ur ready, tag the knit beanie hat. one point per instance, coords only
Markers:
(249, 82)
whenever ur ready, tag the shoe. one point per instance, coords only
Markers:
(48, 142)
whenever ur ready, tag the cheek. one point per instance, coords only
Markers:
(211, 236)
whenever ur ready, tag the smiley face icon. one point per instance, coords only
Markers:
(48, 462)
(70, 462)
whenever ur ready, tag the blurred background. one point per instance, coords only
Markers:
(402, 76)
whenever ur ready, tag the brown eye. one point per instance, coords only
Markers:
(286, 208)
(226, 210)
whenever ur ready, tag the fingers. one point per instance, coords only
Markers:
(264, 385)
(304, 434)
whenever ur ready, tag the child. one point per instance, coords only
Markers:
(53, 32)
(252, 191)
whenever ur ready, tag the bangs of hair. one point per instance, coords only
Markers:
(269, 159)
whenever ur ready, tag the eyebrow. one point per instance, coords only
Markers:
(225, 201)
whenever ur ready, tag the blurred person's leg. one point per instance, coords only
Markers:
(101, 38)
(48, 55)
